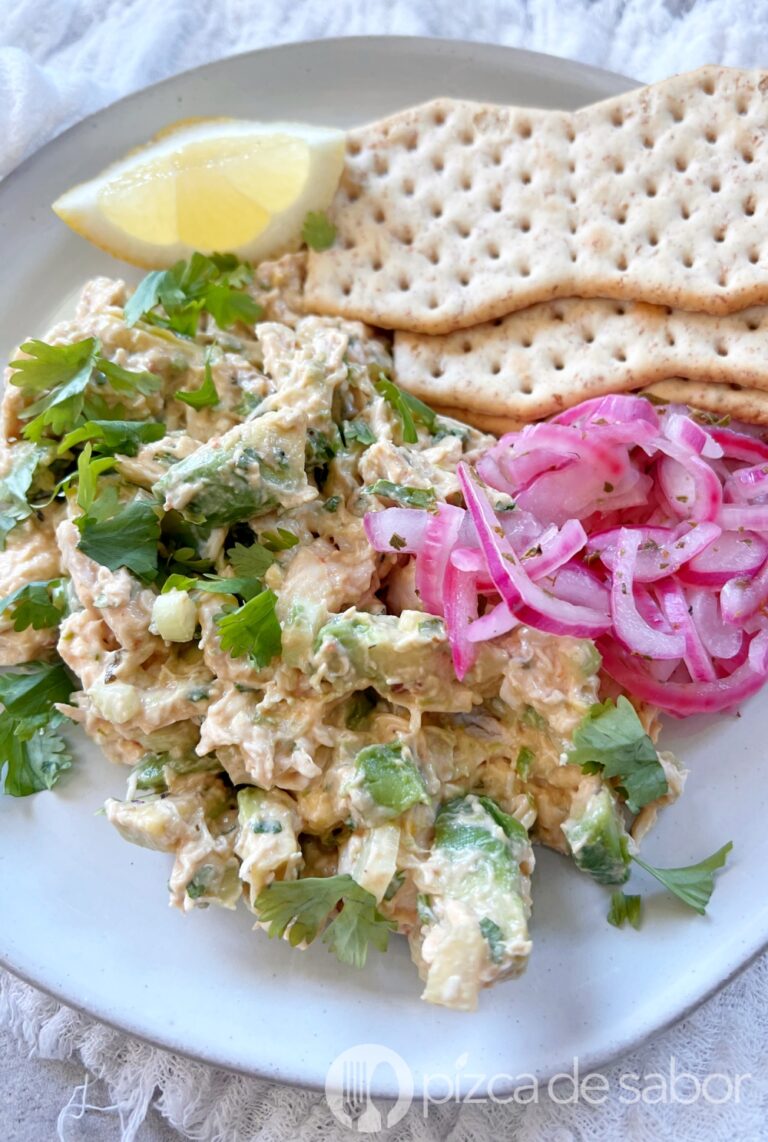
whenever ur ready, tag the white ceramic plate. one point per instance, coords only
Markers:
(83, 914)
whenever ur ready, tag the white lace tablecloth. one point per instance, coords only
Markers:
(60, 60)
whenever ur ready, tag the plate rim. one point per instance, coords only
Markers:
(613, 83)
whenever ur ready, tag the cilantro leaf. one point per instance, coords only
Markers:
(357, 430)
(204, 397)
(252, 629)
(212, 284)
(250, 562)
(31, 752)
(47, 367)
(126, 381)
(693, 884)
(214, 584)
(14, 488)
(623, 908)
(610, 738)
(88, 471)
(34, 762)
(114, 436)
(128, 539)
(494, 937)
(227, 306)
(39, 605)
(280, 540)
(318, 231)
(145, 297)
(301, 908)
(402, 494)
(409, 408)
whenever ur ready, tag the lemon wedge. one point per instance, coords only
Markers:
(214, 184)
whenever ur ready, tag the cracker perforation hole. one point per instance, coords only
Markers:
(721, 349)
(408, 186)
(496, 368)
(497, 321)
(570, 132)
(463, 230)
(653, 239)
(412, 141)
(749, 205)
(497, 156)
(436, 371)
(752, 324)
(617, 117)
(494, 201)
(346, 288)
(439, 117)
(525, 130)
(681, 164)
(526, 342)
(754, 256)
(438, 163)
(722, 279)
(710, 136)
(493, 251)
(620, 356)
(708, 86)
(621, 263)
(671, 340)
(354, 147)
(621, 215)
(587, 336)
(742, 105)
(376, 264)
(464, 279)
(466, 137)
(432, 302)
(648, 142)
(527, 389)
(433, 255)
(748, 155)
(558, 364)
(618, 166)
(381, 164)
(379, 216)
(524, 225)
(651, 190)
(466, 347)
(525, 178)
(466, 182)
(403, 283)
(436, 210)
(685, 213)
(524, 270)
(620, 310)
(687, 260)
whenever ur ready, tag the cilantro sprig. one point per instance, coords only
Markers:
(60, 377)
(252, 630)
(32, 752)
(40, 604)
(693, 884)
(611, 740)
(318, 231)
(300, 910)
(204, 397)
(409, 408)
(14, 488)
(175, 299)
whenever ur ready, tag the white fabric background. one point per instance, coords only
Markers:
(61, 59)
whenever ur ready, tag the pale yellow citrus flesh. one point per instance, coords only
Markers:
(217, 194)
(212, 191)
